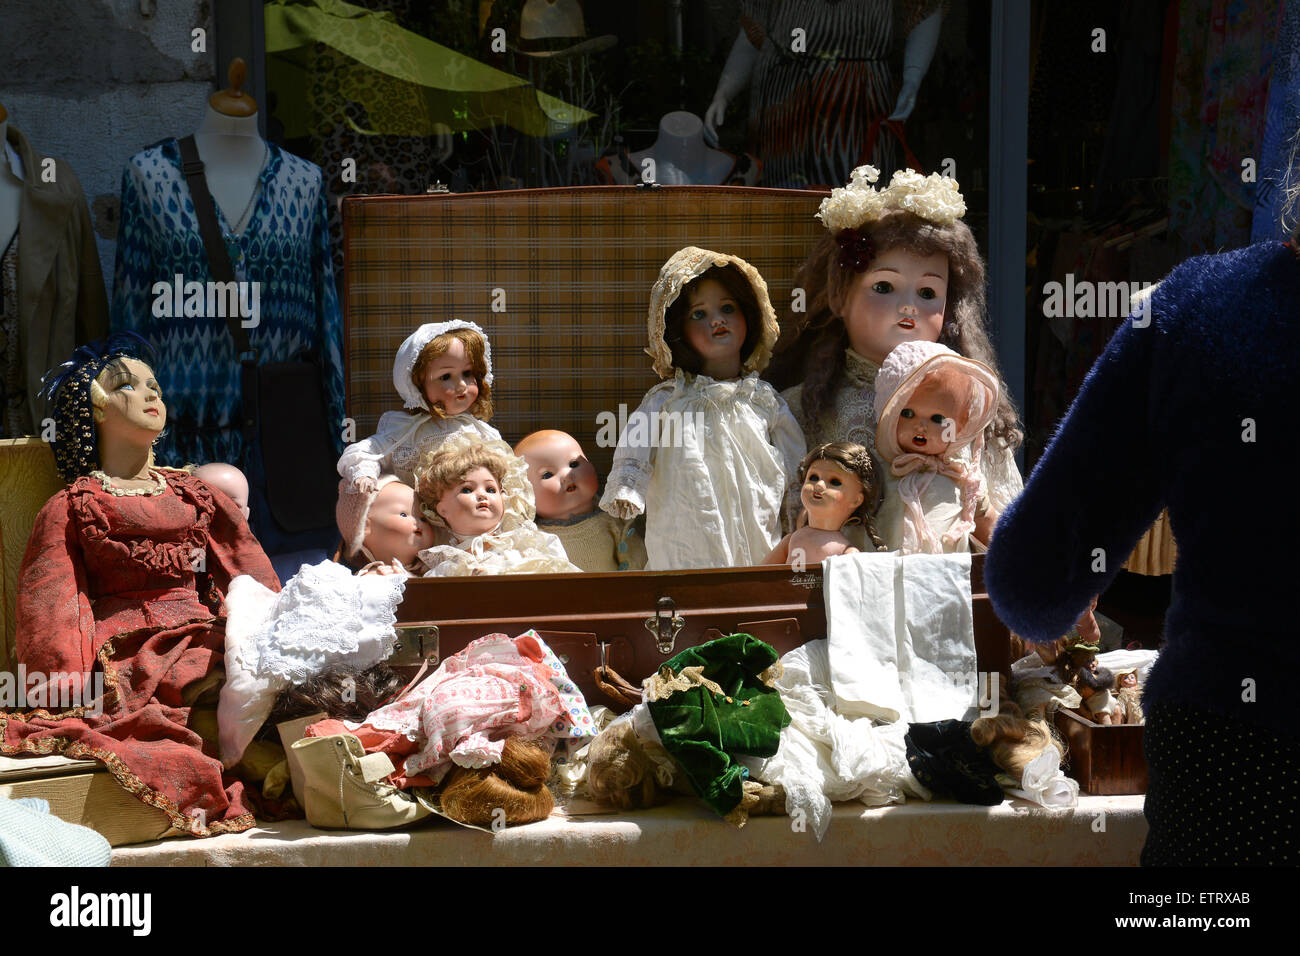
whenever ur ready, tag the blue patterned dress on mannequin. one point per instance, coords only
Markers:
(284, 247)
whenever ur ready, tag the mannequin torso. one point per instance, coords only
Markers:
(680, 155)
(234, 156)
(11, 191)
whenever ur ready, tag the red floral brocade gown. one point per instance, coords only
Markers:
(111, 584)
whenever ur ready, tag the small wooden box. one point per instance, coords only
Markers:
(1105, 760)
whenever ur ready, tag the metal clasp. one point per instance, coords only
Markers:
(665, 625)
(416, 643)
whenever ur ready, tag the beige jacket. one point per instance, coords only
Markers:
(61, 297)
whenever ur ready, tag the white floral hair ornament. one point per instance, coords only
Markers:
(934, 198)
(409, 352)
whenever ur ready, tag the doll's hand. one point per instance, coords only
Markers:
(624, 509)
(714, 117)
(364, 485)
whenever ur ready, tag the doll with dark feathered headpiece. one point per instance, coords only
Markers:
(120, 596)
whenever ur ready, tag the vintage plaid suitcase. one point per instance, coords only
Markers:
(560, 279)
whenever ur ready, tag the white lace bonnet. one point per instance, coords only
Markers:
(903, 370)
(410, 351)
(683, 267)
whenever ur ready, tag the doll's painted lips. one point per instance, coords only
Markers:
(906, 324)
(152, 411)
(918, 440)
(720, 332)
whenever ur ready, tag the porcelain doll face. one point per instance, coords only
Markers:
(564, 481)
(229, 480)
(450, 381)
(134, 412)
(899, 298)
(395, 526)
(831, 493)
(1128, 680)
(474, 505)
(929, 415)
(715, 327)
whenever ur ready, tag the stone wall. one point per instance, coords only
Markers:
(94, 81)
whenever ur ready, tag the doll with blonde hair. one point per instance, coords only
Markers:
(443, 372)
(712, 479)
(479, 491)
(896, 265)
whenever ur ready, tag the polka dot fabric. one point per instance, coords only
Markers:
(1221, 793)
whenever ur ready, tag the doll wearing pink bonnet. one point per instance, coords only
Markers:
(934, 487)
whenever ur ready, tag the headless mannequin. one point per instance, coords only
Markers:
(232, 151)
(11, 189)
(680, 155)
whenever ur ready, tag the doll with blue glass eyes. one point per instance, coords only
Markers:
(932, 406)
(707, 453)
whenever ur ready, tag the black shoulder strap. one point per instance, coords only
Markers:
(219, 265)
(206, 210)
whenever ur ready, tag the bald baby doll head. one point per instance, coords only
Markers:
(229, 480)
(564, 481)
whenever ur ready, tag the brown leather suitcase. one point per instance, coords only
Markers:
(560, 279)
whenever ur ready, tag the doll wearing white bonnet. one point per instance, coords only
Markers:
(931, 501)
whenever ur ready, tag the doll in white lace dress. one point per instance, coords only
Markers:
(479, 491)
(896, 265)
(708, 453)
(443, 372)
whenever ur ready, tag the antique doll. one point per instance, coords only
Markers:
(707, 454)
(1129, 694)
(564, 486)
(932, 406)
(479, 491)
(497, 708)
(227, 479)
(443, 372)
(838, 486)
(381, 527)
(121, 593)
(896, 265)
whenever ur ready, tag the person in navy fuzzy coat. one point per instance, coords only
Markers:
(1192, 407)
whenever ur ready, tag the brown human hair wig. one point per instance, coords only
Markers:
(814, 353)
(343, 692)
(738, 287)
(475, 351)
(516, 787)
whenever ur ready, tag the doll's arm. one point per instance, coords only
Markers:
(921, 44)
(786, 436)
(55, 631)
(1093, 494)
(984, 525)
(371, 457)
(232, 549)
(629, 475)
(780, 554)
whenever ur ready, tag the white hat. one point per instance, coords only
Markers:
(410, 350)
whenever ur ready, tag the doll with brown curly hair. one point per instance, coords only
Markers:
(838, 488)
(896, 265)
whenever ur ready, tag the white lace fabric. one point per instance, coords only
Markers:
(399, 441)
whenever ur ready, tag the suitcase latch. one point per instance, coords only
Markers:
(416, 643)
(665, 625)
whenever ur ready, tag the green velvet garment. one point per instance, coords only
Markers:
(702, 730)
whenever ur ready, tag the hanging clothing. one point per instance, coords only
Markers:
(814, 112)
(1281, 120)
(285, 248)
(60, 287)
(108, 589)
(17, 415)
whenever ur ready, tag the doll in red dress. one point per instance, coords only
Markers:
(122, 587)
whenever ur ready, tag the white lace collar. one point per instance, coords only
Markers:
(860, 371)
